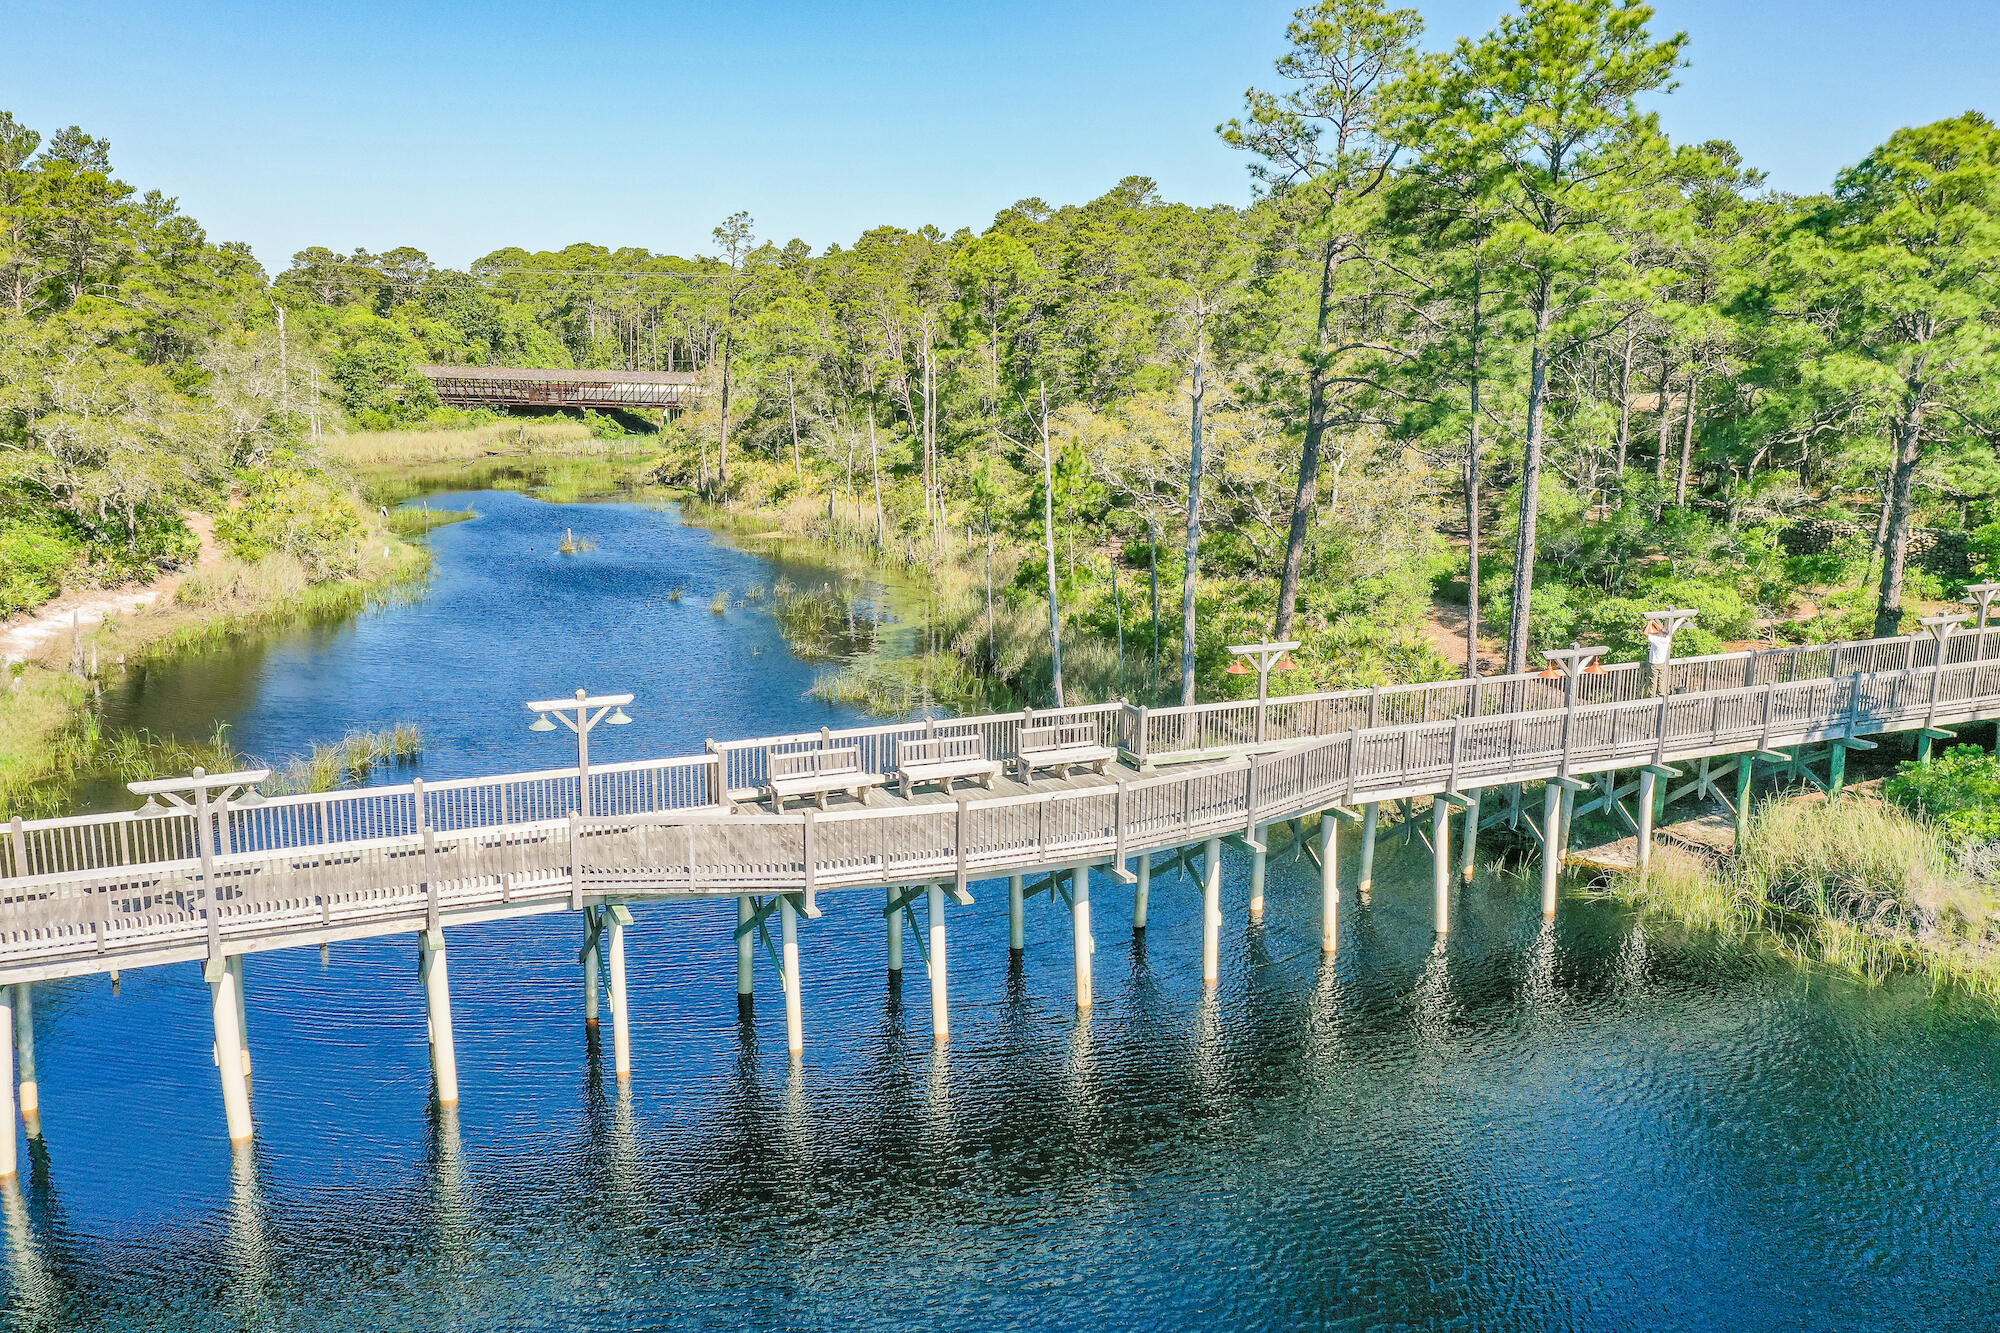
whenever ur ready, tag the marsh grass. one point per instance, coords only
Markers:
(409, 447)
(1850, 884)
(79, 748)
(898, 685)
(418, 521)
(347, 762)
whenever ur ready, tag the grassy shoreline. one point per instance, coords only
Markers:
(1854, 884)
(51, 737)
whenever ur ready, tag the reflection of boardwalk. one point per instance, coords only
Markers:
(599, 390)
(243, 875)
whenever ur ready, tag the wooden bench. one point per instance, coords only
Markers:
(816, 773)
(1062, 746)
(943, 759)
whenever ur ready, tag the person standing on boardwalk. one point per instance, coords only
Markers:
(1659, 647)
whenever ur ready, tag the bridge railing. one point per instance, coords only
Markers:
(404, 877)
(79, 843)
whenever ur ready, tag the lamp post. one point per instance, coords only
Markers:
(1982, 594)
(1942, 628)
(212, 793)
(1571, 662)
(580, 715)
(1269, 657)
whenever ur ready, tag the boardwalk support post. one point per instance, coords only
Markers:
(1080, 940)
(1465, 854)
(242, 1010)
(1441, 858)
(616, 918)
(1142, 895)
(746, 987)
(1329, 883)
(893, 924)
(1552, 804)
(1646, 784)
(437, 1012)
(228, 1019)
(1371, 814)
(589, 961)
(940, 1012)
(24, 1052)
(1746, 770)
(1259, 857)
(1211, 911)
(1017, 926)
(9, 1143)
(795, 1029)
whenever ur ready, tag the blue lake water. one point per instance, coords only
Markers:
(1606, 1123)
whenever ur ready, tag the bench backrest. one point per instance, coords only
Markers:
(940, 749)
(816, 763)
(1057, 736)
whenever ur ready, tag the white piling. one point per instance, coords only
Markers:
(1329, 883)
(940, 1002)
(1371, 815)
(894, 926)
(24, 1059)
(1211, 911)
(1260, 834)
(431, 963)
(1551, 847)
(229, 1053)
(1079, 897)
(1441, 861)
(1647, 788)
(1017, 923)
(621, 1027)
(1142, 895)
(795, 1028)
(590, 969)
(1465, 854)
(746, 944)
(242, 1009)
(10, 1142)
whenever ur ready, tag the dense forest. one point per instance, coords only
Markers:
(1483, 329)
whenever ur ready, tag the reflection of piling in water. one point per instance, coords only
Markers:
(37, 1299)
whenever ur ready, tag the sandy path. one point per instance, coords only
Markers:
(30, 634)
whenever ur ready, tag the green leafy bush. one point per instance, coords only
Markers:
(302, 515)
(1958, 792)
(33, 558)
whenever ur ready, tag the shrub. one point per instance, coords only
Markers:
(302, 515)
(33, 559)
(1958, 792)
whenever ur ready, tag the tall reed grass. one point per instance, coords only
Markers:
(1847, 883)
(409, 447)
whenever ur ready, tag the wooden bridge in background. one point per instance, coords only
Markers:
(599, 390)
(242, 875)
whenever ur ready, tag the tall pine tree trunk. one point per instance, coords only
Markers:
(1687, 441)
(1307, 495)
(1531, 485)
(1472, 495)
(1193, 512)
(1908, 430)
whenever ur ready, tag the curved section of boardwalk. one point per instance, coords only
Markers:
(119, 891)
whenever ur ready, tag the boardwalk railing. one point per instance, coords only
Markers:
(737, 770)
(86, 921)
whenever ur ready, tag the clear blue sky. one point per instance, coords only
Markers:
(459, 128)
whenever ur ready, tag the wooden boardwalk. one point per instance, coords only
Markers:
(94, 894)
